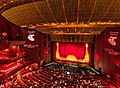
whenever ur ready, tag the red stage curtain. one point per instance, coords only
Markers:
(76, 49)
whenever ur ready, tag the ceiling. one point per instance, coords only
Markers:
(63, 17)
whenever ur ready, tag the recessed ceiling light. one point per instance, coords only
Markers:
(12, 1)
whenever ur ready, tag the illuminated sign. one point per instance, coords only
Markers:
(30, 46)
(111, 51)
(112, 38)
(31, 35)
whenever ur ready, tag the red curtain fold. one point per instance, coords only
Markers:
(75, 49)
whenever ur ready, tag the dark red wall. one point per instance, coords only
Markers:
(12, 31)
(35, 54)
(107, 54)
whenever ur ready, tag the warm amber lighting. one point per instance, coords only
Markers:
(12, 1)
(6, 50)
(14, 47)
(4, 34)
(86, 59)
(57, 44)
(86, 45)
(4, 4)
(71, 57)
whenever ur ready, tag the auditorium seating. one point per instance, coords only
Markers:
(54, 76)
(48, 77)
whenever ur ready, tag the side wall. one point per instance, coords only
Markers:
(107, 53)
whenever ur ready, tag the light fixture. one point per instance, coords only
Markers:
(12, 1)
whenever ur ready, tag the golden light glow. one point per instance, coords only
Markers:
(12, 1)
(69, 12)
(71, 57)
(86, 45)
(86, 59)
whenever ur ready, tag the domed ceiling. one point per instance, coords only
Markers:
(63, 17)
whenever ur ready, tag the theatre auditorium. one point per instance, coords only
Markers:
(59, 43)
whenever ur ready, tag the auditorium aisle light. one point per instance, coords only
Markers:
(86, 58)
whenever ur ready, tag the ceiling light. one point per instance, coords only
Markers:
(53, 24)
(12, 1)
(4, 4)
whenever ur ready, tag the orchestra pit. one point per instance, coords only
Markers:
(59, 43)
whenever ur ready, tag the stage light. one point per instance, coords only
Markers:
(57, 44)
(6, 50)
(4, 34)
(14, 47)
(97, 57)
(86, 45)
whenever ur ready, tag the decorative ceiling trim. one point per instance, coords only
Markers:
(5, 5)
(66, 16)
